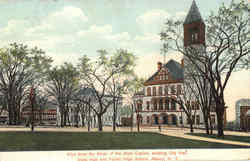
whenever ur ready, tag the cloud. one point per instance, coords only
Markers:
(151, 17)
(180, 15)
(152, 21)
(69, 13)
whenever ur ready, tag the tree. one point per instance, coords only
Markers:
(226, 49)
(63, 83)
(20, 67)
(84, 100)
(119, 82)
(201, 92)
(97, 74)
(135, 85)
(187, 102)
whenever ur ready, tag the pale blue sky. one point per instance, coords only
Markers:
(67, 29)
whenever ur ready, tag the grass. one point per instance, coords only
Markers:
(36, 141)
(245, 139)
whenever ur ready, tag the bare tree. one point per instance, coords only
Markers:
(226, 49)
(96, 75)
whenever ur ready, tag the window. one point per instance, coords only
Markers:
(154, 91)
(166, 77)
(148, 119)
(148, 105)
(148, 91)
(166, 104)
(166, 90)
(160, 104)
(178, 89)
(212, 119)
(193, 105)
(173, 105)
(160, 91)
(194, 35)
(197, 106)
(155, 105)
(139, 106)
(173, 89)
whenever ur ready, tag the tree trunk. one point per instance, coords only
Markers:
(61, 114)
(114, 115)
(210, 125)
(83, 121)
(132, 119)
(205, 116)
(191, 128)
(99, 117)
(207, 126)
(65, 118)
(220, 121)
(10, 110)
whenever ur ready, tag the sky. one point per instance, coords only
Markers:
(68, 29)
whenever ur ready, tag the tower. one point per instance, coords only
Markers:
(194, 27)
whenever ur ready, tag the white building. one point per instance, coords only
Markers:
(242, 108)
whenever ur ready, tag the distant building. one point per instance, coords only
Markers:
(77, 119)
(242, 111)
(46, 115)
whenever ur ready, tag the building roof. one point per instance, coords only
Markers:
(193, 14)
(174, 68)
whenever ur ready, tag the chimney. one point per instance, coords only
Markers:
(182, 62)
(159, 65)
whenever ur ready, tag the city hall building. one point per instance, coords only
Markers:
(153, 106)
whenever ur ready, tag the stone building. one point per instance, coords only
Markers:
(153, 104)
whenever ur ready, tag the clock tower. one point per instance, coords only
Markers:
(194, 27)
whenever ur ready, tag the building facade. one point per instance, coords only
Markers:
(153, 104)
(242, 111)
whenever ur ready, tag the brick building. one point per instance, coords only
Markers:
(153, 104)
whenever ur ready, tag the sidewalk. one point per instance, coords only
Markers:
(182, 133)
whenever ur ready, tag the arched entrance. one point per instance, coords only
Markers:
(155, 119)
(165, 119)
(173, 119)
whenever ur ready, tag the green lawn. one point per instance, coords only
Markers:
(12, 141)
(226, 137)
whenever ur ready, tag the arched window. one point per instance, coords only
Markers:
(173, 89)
(173, 105)
(167, 104)
(160, 104)
(148, 119)
(148, 91)
(148, 105)
(166, 90)
(155, 105)
(154, 91)
(160, 91)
